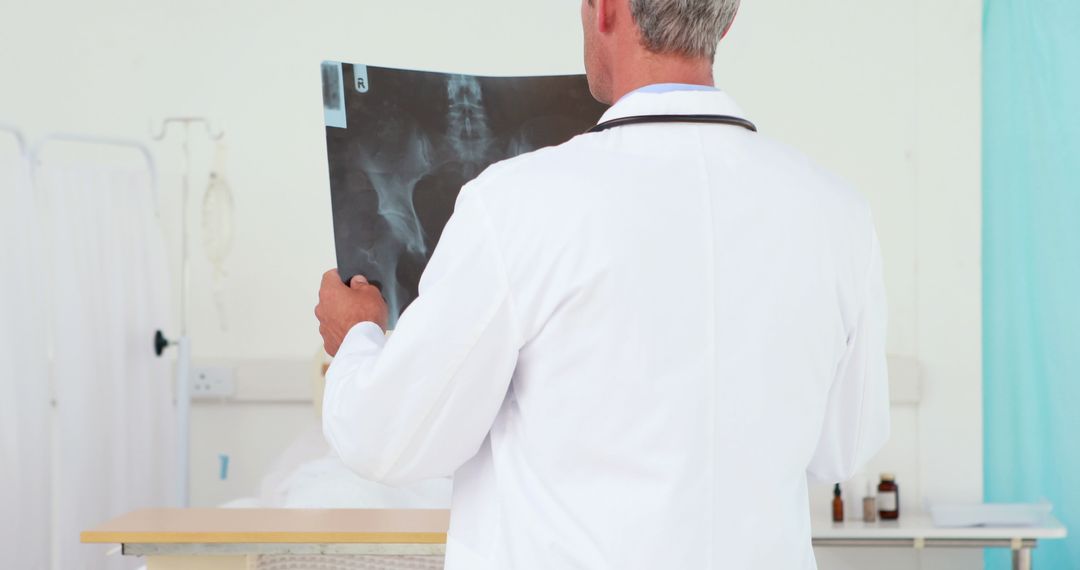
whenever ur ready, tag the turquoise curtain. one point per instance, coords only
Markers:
(1031, 262)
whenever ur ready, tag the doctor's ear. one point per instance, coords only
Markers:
(602, 13)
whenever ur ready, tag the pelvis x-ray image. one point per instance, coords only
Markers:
(402, 143)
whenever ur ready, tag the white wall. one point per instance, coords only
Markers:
(884, 92)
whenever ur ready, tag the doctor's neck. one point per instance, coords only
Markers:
(647, 68)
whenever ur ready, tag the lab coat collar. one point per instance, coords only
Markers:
(674, 103)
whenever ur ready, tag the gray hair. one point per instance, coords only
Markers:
(691, 28)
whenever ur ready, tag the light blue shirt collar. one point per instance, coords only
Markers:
(669, 87)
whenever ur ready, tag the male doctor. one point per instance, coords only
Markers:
(629, 350)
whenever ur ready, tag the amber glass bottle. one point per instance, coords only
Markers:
(888, 498)
(837, 505)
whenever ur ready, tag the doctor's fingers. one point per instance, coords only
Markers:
(326, 333)
(331, 340)
(332, 277)
(361, 283)
(331, 285)
(324, 309)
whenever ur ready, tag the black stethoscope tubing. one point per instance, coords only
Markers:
(655, 119)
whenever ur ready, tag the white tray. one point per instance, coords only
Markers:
(989, 514)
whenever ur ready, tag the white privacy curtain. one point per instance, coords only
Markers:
(24, 380)
(108, 293)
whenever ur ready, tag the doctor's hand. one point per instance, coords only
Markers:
(341, 307)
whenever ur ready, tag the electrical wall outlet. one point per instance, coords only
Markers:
(212, 382)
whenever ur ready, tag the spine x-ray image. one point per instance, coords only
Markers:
(402, 143)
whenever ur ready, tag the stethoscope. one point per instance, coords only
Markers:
(653, 119)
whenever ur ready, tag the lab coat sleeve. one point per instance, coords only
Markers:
(420, 404)
(856, 423)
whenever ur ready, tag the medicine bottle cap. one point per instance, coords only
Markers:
(888, 477)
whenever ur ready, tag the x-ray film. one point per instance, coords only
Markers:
(402, 143)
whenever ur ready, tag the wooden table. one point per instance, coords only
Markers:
(228, 539)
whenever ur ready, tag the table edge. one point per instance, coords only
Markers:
(129, 537)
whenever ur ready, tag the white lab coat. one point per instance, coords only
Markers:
(630, 350)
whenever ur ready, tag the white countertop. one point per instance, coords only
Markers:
(919, 525)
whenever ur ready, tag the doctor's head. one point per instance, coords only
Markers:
(631, 43)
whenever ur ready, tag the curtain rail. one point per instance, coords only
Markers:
(17, 133)
(151, 165)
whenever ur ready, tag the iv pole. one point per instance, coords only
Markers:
(183, 359)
